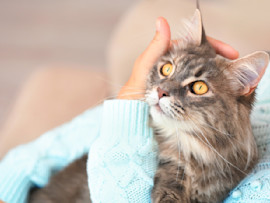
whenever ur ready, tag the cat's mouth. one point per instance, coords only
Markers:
(162, 109)
(158, 108)
(168, 109)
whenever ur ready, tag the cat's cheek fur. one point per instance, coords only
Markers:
(174, 132)
(152, 97)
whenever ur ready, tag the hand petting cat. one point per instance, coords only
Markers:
(135, 86)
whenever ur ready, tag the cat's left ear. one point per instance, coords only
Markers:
(248, 71)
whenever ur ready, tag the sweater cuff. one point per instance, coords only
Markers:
(129, 118)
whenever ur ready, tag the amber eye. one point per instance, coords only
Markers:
(166, 69)
(199, 88)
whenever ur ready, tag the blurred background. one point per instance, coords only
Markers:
(38, 33)
(79, 33)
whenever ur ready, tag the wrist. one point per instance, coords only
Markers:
(131, 92)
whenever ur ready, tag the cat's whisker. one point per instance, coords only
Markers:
(229, 169)
(107, 81)
(132, 87)
(207, 143)
(129, 88)
(113, 84)
(115, 96)
(174, 115)
(117, 85)
(228, 136)
(142, 99)
(132, 94)
(212, 148)
(179, 154)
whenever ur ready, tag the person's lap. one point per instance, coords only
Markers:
(49, 98)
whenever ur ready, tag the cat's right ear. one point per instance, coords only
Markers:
(193, 32)
(247, 72)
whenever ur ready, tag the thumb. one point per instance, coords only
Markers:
(159, 45)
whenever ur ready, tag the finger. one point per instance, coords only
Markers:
(223, 49)
(159, 45)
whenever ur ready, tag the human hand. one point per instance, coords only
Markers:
(1, 201)
(135, 86)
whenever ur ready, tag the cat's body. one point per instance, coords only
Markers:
(67, 186)
(205, 140)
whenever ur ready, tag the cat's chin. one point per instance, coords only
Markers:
(159, 116)
(158, 108)
(157, 111)
(161, 111)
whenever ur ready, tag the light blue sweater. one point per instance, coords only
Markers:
(122, 154)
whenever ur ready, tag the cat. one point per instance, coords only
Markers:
(200, 105)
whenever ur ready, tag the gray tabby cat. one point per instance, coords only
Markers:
(200, 105)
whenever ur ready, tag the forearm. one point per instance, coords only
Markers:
(32, 164)
(122, 162)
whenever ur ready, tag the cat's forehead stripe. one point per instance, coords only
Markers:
(178, 60)
(191, 66)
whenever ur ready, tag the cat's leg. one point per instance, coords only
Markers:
(169, 184)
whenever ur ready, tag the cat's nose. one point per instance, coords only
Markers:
(162, 93)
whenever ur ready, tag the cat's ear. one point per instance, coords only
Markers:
(248, 71)
(194, 31)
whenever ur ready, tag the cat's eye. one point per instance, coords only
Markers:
(199, 88)
(166, 69)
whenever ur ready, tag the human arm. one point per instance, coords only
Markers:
(32, 164)
(122, 162)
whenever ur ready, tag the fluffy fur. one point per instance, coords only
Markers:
(206, 145)
(67, 186)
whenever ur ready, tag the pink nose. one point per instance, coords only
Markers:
(162, 93)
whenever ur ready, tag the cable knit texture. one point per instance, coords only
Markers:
(32, 164)
(122, 156)
(122, 161)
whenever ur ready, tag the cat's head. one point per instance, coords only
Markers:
(192, 86)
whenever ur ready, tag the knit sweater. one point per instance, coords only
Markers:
(122, 154)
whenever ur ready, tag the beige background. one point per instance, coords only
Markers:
(41, 33)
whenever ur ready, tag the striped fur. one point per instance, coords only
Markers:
(206, 145)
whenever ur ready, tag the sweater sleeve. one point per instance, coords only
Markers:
(32, 164)
(122, 162)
